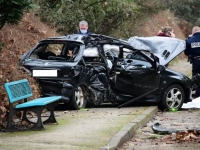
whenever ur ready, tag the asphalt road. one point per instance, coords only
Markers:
(88, 129)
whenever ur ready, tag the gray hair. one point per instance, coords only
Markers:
(83, 23)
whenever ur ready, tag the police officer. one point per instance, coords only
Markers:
(193, 51)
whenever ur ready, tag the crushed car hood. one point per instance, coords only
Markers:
(165, 48)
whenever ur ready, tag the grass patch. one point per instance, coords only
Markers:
(152, 137)
(86, 109)
(175, 61)
(62, 120)
(189, 75)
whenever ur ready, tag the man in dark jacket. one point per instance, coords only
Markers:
(193, 51)
(83, 28)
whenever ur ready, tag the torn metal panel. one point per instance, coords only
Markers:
(160, 130)
(97, 83)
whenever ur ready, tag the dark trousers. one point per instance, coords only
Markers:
(195, 70)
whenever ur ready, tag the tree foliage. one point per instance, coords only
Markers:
(11, 11)
(103, 16)
(188, 10)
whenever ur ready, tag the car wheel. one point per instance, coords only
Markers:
(78, 100)
(173, 97)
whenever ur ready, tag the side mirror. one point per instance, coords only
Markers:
(161, 68)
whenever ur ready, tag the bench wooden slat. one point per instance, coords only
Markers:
(39, 102)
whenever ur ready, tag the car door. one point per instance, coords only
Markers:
(138, 74)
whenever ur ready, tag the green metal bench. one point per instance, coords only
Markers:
(18, 92)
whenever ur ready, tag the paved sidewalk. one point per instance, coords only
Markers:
(103, 128)
(126, 133)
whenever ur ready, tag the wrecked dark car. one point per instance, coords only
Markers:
(95, 69)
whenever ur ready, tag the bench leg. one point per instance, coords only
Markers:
(24, 117)
(38, 110)
(39, 124)
(51, 118)
(10, 126)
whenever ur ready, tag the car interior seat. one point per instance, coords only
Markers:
(46, 55)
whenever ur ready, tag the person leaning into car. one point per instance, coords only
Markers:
(193, 51)
(83, 28)
(166, 32)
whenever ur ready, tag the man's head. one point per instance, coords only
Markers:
(195, 29)
(83, 26)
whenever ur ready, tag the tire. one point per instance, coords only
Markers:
(78, 100)
(172, 97)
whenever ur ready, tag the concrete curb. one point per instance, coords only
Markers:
(129, 129)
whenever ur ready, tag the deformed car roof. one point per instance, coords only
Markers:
(72, 37)
(165, 48)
